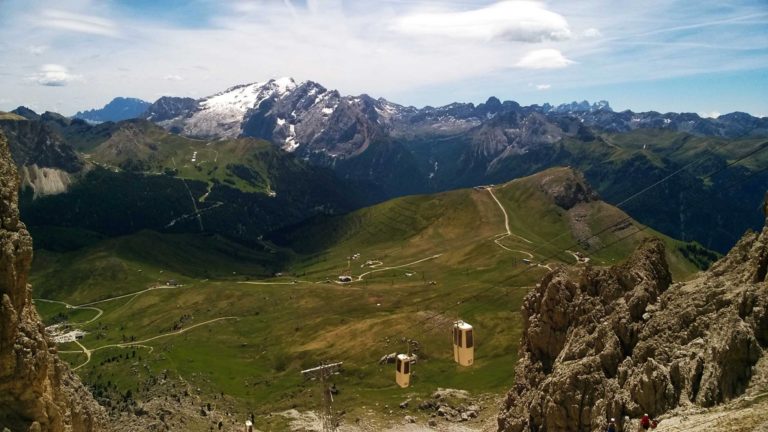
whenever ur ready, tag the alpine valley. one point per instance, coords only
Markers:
(383, 150)
(193, 257)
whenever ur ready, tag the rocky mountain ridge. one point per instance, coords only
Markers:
(407, 150)
(46, 162)
(307, 118)
(38, 392)
(602, 343)
(398, 150)
(34, 142)
(119, 108)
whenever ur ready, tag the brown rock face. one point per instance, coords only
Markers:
(567, 188)
(37, 391)
(623, 341)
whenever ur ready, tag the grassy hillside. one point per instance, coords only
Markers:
(10, 116)
(417, 264)
(691, 171)
(141, 146)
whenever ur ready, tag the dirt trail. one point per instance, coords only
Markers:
(506, 220)
(360, 277)
(140, 343)
(509, 233)
(746, 414)
(99, 312)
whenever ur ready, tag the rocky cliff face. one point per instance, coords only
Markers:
(46, 162)
(624, 341)
(38, 392)
(33, 142)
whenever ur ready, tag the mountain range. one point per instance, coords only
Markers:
(119, 108)
(387, 150)
(253, 211)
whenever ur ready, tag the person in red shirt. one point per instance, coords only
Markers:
(645, 422)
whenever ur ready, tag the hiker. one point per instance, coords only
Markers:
(612, 426)
(645, 422)
(654, 424)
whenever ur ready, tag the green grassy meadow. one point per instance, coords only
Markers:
(418, 263)
(143, 147)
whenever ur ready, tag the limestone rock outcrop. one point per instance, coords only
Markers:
(38, 392)
(624, 341)
(35, 142)
(567, 188)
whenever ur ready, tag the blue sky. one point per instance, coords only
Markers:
(707, 57)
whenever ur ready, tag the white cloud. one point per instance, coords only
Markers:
(173, 78)
(53, 75)
(711, 114)
(544, 59)
(37, 49)
(543, 86)
(80, 23)
(522, 21)
(592, 33)
(357, 47)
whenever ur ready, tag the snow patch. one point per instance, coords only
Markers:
(222, 114)
(285, 85)
(432, 174)
(290, 142)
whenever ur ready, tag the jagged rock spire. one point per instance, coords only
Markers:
(624, 341)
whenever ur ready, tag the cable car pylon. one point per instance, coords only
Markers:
(322, 373)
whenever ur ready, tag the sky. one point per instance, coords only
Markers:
(707, 57)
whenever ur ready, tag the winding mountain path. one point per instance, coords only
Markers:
(133, 294)
(89, 352)
(69, 306)
(509, 233)
(360, 277)
(506, 224)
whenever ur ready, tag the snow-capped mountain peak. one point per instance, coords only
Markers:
(222, 114)
(323, 126)
(284, 84)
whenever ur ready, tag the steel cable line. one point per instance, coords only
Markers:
(641, 229)
(751, 153)
(423, 322)
(646, 189)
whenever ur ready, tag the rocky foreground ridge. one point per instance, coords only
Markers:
(38, 392)
(624, 341)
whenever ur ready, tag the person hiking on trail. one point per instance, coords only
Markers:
(612, 426)
(654, 423)
(645, 422)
